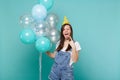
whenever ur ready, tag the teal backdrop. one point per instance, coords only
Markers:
(96, 26)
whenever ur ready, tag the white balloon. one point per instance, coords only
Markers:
(39, 12)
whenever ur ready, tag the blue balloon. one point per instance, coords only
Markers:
(39, 12)
(27, 36)
(47, 3)
(43, 44)
(53, 47)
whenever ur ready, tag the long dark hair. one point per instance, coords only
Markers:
(62, 38)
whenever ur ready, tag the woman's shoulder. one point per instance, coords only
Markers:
(77, 44)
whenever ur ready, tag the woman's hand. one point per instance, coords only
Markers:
(52, 55)
(74, 55)
(71, 42)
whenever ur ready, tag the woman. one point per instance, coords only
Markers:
(65, 55)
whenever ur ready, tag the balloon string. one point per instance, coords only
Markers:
(40, 66)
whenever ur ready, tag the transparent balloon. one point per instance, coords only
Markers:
(52, 19)
(40, 28)
(54, 35)
(26, 20)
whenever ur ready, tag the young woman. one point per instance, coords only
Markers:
(65, 55)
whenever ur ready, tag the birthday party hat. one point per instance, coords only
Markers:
(65, 21)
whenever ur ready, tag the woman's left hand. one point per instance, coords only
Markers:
(72, 44)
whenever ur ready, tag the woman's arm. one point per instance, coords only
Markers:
(74, 55)
(52, 55)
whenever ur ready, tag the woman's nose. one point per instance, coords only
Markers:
(66, 30)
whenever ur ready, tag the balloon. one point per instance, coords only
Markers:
(43, 44)
(52, 19)
(26, 20)
(53, 47)
(54, 39)
(39, 12)
(27, 36)
(40, 28)
(54, 35)
(47, 3)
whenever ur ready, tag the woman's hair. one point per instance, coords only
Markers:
(62, 38)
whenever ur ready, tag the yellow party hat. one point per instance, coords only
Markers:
(65, 21)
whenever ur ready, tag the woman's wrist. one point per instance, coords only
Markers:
(73, 47)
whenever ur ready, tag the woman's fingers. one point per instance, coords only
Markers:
(70, 38)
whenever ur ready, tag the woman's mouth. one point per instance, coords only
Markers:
(66, 35)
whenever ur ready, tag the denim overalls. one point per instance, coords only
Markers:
(61, 70)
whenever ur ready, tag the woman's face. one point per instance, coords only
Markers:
(66, 32)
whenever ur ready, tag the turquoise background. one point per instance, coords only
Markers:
(96, 25)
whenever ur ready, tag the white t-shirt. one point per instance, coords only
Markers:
(78, 48)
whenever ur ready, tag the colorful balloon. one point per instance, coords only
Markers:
(47, 3)
(52, 47)
(27, 36)
(43, 44)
